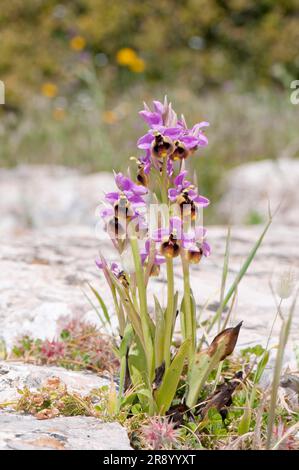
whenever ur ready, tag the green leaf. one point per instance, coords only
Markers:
(137, 364)
(123, 349)
(159, 333)
(129, 308)
(125, 342)
(200, 370)
(245, 421)
(129, 399)
(165, 394)
(261, 366)
(240, 275)
(102, 320)
(143, 311)
(257, 350)
(101, 302)
(65, 335)
(175, 307)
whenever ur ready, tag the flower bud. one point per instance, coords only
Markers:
(225, 342)
(142, 178)
(123, 279)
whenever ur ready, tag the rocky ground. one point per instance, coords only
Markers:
(24, 432)
(44, 274)
(250, 187)
(47, 252)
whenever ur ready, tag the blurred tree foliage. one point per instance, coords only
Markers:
(195, 42)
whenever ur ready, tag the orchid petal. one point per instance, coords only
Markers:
(159, 107)
(159, 259)
(159, 234)
(112, 197)
(206, 249)
(189, 141)
(200, 232)
(201, 200)
(178, 180)
(150, 118)
(145, 141)
(172, 194)
(202, 139)
(172, 132)
(106, 211)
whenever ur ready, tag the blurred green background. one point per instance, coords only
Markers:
(76, 73)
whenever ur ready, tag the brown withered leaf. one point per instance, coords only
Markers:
(159, 373)
(176, 414)
(227, 337)
(221, 399)
(47, 413)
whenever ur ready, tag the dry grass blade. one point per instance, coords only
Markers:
(240, 275)
(289, 432)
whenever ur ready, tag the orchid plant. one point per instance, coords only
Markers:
(151, 366)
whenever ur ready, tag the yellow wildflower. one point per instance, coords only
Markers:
(77, 43)
(126, 56)
(138, 66)
(49, 90)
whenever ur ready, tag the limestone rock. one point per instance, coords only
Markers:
(20, 432)
(249, 187)
(44, 272)
(24, 432)
(15, 376)
(34, 196)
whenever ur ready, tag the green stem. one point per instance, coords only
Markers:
(274, 392)
(283, 338)
(169, 311)
(122, 375)
(189, 322)
(164, 185)
(143, 306)
(170, 278)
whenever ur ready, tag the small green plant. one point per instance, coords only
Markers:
(79, 345)
(214, 424)
(53, 399)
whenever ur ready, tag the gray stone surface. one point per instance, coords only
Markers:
(42, 195)
(20, 432)
(24, 432)
(43, 274)
(249, 187)
(15, 376)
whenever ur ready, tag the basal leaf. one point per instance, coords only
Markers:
(165, 394)
(101, 302)
(159, 333)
